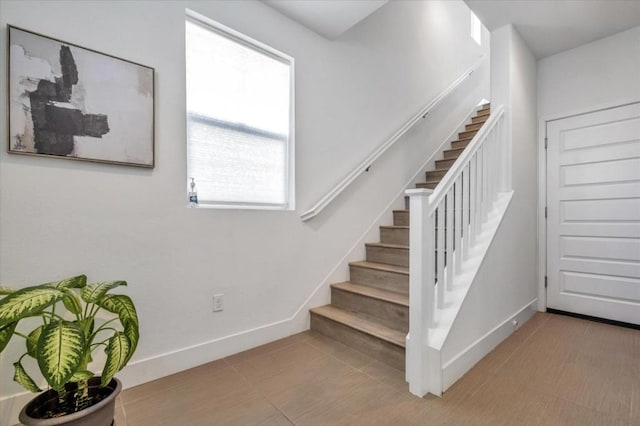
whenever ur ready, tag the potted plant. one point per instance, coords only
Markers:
(62, 334)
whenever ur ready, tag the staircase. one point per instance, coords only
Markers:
(370, 312)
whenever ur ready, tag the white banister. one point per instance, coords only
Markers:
(444, 226)
(452, 174)
(422, 239)
(448, 229)
(466, 210)
(367, 162)
(473, 199)
(440, 252)
(484, 184)
(458, 224)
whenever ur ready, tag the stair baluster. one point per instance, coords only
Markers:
(456, 210)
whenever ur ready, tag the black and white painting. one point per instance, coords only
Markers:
(73, 102)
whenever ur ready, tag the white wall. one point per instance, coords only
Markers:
(506, 281)
(60, 218)
(596, 75)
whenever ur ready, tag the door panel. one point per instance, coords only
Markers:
(593, 223)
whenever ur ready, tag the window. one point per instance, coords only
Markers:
(476, 29)
(239, 118)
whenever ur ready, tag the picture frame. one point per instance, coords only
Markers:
(72, 102)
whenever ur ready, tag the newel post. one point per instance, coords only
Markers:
(421, 290)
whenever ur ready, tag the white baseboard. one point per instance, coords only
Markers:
(165, 364)
(156, 367)
(465, 360)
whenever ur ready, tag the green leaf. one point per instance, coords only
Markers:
(32, 341)
(93, 292)
(121, 305)
(74, 282)
(61, 348)
(117, 352)
(27, 302)
(72, 302)
(86, 325)
(5, 334)
(88, 357)
(132, 332)
(24, 379)
(7, 290)
(81, 376)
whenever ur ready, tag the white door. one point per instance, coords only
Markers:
(593, 217)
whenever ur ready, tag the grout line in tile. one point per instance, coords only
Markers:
(393, 390)
(268, 352)
(342, 361)
(289, 419)
(259, 391)
(266, 398)
(519, 347)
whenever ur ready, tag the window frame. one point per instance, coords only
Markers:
(251, 43)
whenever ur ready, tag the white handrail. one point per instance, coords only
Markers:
(366, 163)
(444, 227)
(458, 166)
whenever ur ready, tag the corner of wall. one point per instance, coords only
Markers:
(510, 267)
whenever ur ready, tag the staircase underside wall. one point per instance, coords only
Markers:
(504, 289)
(505, 285)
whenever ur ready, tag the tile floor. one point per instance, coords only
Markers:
(555, 370)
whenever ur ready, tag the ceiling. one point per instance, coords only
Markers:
(329, 18)
(552, 26)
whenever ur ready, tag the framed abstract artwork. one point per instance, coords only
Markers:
(67, 101)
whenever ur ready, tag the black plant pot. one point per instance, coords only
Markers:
(98, 414)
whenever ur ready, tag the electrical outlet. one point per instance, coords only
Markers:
(217, 302)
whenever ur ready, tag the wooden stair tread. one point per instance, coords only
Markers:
(381, 266)
(457, 150)
(460, 144)
(445, 164)
(480, 118)
(436, 171)
(373, 292)
(428, 182)
(361, 324)
(387, 245)
(370, 312)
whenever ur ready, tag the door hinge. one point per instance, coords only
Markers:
(546, 142)
(545, 212)
(545, 281)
